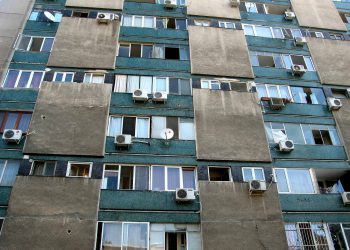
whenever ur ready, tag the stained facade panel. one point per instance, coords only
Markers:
(97, 4)
(217, 8)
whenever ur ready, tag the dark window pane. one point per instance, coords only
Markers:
(219, 174)
(135, 50)
(174, 86)
(50, 168)
(11, 79)
(23, 45)
(111, 179)
(47, 45)
(173, 123)
(59, 77)
(24, 122)
(81, 170)
(129, 126)
(317, 136)
(326, 137)
(36, 43)
(126, 177)
(298, 60)
(11, 120)
(188, 178)
(23, 80)
(173, 178)
(2, 116)
(171, 23)
(181, 24)
(124, 50)
(141, 178)
(185, 86)
(172, 53)
(38, 168)
(147, 51)
(36, 80)
(158, 181)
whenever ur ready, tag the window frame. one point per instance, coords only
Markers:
(136, 123)
(278, 90)
(270, 27)
(32, 72)
(3, 171)
(31, 42)
(253, 173)
(64, 76)
(92, 75)
(211, 82)
(79, 163)
(229, 173)
(45, 162)
(223, 24)
(133, 17)
(312, 177)
(18, 120)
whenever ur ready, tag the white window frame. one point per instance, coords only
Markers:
(223, 24)
(45, 162)
(202, 22)
(92, 75)
(136, 123)
(82, 163)
(229, 172)
(64, 76)
(29, 80)
(31, 41)
(253, 173)
(270, 27)
(154, 85)
(278, 89)
(211, 83)
(290, 58)
(114, 171)
(194, 128)
(248, 7)
(284, 128)
(319, 34)
(133, 17)
(314, 186)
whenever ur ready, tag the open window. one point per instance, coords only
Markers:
(129, 125)
(332, 181)
(81, 14)
(79, 169)
(175, 240)
(308, 95)
(220, 174)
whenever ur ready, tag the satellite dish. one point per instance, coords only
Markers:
(49, 16)
(167, 134)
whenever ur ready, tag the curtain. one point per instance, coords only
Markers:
(146, 83)
(120, 83)
(135, 236)
(158, 51)
(158, 124)
(300, 181)
(115, 125)
(133, 83)
(186, 129)
(142, 128)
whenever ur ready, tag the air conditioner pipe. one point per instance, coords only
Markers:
(143, 142)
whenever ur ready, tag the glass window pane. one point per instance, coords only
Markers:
(248, 30)
(124, 50)
(273, 91)
(58, 77)
(263, 31)
(129, 125)
(296, 33)
(147, 51)
(148, 22)
(294, 133)
(137, 21)
(284, 91)
(259, 174)
(50, 168)
(38, 168)
(247, 174)
(24, 122)
(309, 138)
(110, 180)
(36, 80)
(254, 60)
(115, 125)
(142, 178)
(47, 45)
(135, 236)
(181, 24)
(251, 7)
(112, 236)
(69, 77)
(188, 176)
(11, 79)
(158, 51)
(36, 43)
(185, 87)
(146, 83)
(230, 25)
(300, 181)
(160, 23)
(299, 95)
(23, 80)
(174, 86)
(11, 120)
(58, 17)
(126, 178)
(142, 128)
(277, 59)
(10, 173)
(277, 32)
(186, 129)
(23, 45)
(287, 62)
(158, 124)
(161, 84)
(173, 178)
(337, 236)
(317, 96)
(261, 90)
(281, 178)
(334, 137)
(34, 16)
(308, 62)
(135, 50)
(158, 177)
(127, 20)
(184, 53)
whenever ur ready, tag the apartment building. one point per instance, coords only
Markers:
(175, 124)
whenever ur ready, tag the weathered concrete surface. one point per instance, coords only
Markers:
(84, 43)
(97, 4)
(210, 8)
(221, 52)
(235, 220)
(332, 60)
(342, 117)
(318, 14)
(69, 119)
(13, 15)
(51, 213)
(229, 126)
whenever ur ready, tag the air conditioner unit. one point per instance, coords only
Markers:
(160, 96)
(289, 15)
(276, 103)
(257, 186)
(298, 70)
(299, 41)
(251, 86)
(346, 198)
(286, 145)
(185, 194)
(171, 4)
(234, 3)
(123, 140)
(334, 103)
(140, 95)
(12, 135)
(105, 17)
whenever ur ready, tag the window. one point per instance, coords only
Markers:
(35, 44)
(38, 15)
(308, 95)
(124, 235)
(251, 7)
(278, 91)
(124, 50)
(180, 86)
(139, 21)
(296, 33)
(23, 79)
(294, 181)
(263, 31)
(227, 25)
(204, 23)
(183, 127)
(8, 172)
(170, 178)
(336, 36)
(1, 223)
(210, 84)
(63, 77)
(253, 174)
(306, 235)
(219, 174)
(171, 23)
(340, 235)
(94, 78)
(14, 120)
(81, 14)
(178, 2)
(130, 125)
(175, 240)
(43, 168)
(340, 93)
(79, 169)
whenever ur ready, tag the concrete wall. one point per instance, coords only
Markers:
(333, 63)
(210, 8)
(222, 52)
(232, 219)
(96, 4)
(69, 119)
(84, 43)
(229, 126)
(318, 14)
(51, 213)
(13, 14)
(342, 117)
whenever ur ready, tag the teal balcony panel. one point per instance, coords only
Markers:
(5, 193)
(300, 109)
(152, 217)
(27, 66)
(11, 154)
(348, 25)
(343, 6)
(144, 201)
(327, 217)
(299, 119)
(275, 45)
(11, 146)
(3, 211)
(39, 33)
(270, 19)
(311, 164)
(151, 111)
(146, 72)
(30, 57)
(149, 9)
(155, 147)
(294, 82)
(283, 74)
(131, 33)
(153, 64)
(17, 99)
(41, 26)
(311, 152)
(312, 203)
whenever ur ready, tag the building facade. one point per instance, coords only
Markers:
(175, 124)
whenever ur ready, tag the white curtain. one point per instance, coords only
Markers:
(146, 83)
(133, 83)
(142, 128)
(186, 129)
(115, 124)
(120, 83)
(161, 84)
(158, 51)
(158, 124)
(300, 181)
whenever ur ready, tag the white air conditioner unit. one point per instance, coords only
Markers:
(276, 103)
(234, 3)
(123, 140)
(140, 95)
(103, 17)
(170, 4)
(12, 135)
(289, 15)
(251, 86)
(257, 186)
(334, 103)
(160, 96)
(346, 198)
(286, 145)
(185, 194)
(299, 41)
(298, 70)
